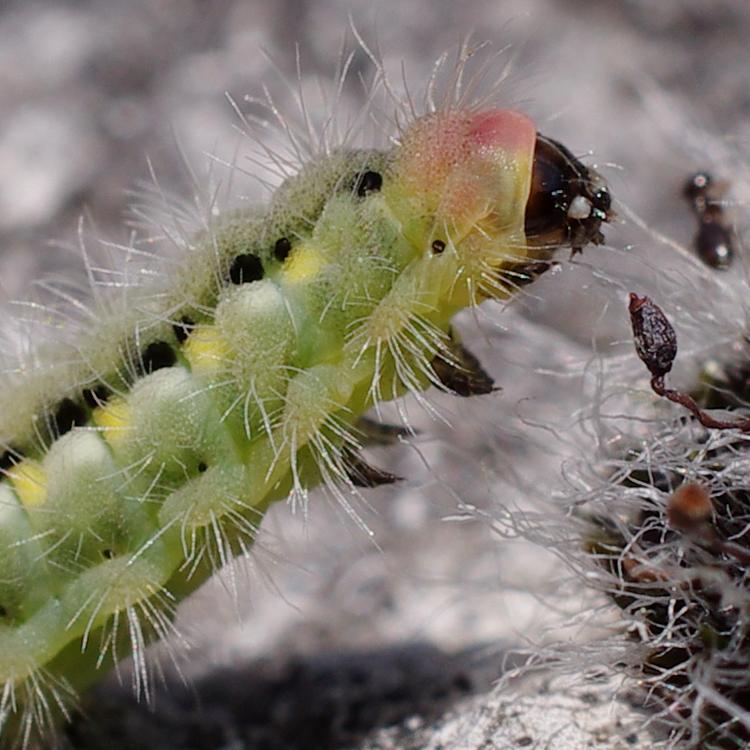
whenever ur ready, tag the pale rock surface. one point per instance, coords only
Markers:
(353, 645)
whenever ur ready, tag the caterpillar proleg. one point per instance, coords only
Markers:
(140, 453)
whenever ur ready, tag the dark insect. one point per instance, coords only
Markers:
(568, 201)
(714, 240)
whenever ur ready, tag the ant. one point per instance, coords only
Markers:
(714, 241)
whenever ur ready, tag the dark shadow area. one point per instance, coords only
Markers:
(326, 701)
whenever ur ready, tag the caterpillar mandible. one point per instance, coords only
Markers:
(136, 463)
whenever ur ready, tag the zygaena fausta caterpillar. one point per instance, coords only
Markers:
(141, 456)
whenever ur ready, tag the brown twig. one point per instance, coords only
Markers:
(683, 399)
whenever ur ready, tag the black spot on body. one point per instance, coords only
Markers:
(68, 414)
(96, 395)
(246, 268)
(281, 249)
(202, 467)
(438, 246)
(156, 356)
(368, 182)
(182, 329)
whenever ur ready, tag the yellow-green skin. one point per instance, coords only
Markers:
(171, 475)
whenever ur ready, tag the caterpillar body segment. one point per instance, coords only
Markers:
(145, 458)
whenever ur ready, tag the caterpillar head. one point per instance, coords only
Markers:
(568, 201)
(499, 197)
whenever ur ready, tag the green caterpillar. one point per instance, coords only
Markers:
(141, 458)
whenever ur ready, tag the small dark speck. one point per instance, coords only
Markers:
(524, 741)
(438, 246)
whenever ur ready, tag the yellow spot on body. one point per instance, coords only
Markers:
(207, 351)
(303, 264)
(30, 482)
(114, 419)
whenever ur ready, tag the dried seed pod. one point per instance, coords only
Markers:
(653, 335)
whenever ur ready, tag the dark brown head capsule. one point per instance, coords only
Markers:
(714, 240)
(568, 201)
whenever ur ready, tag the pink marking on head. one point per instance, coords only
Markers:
(503, 128)
(459, 165)
(440, 143)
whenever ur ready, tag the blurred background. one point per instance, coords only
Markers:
(330, 638)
